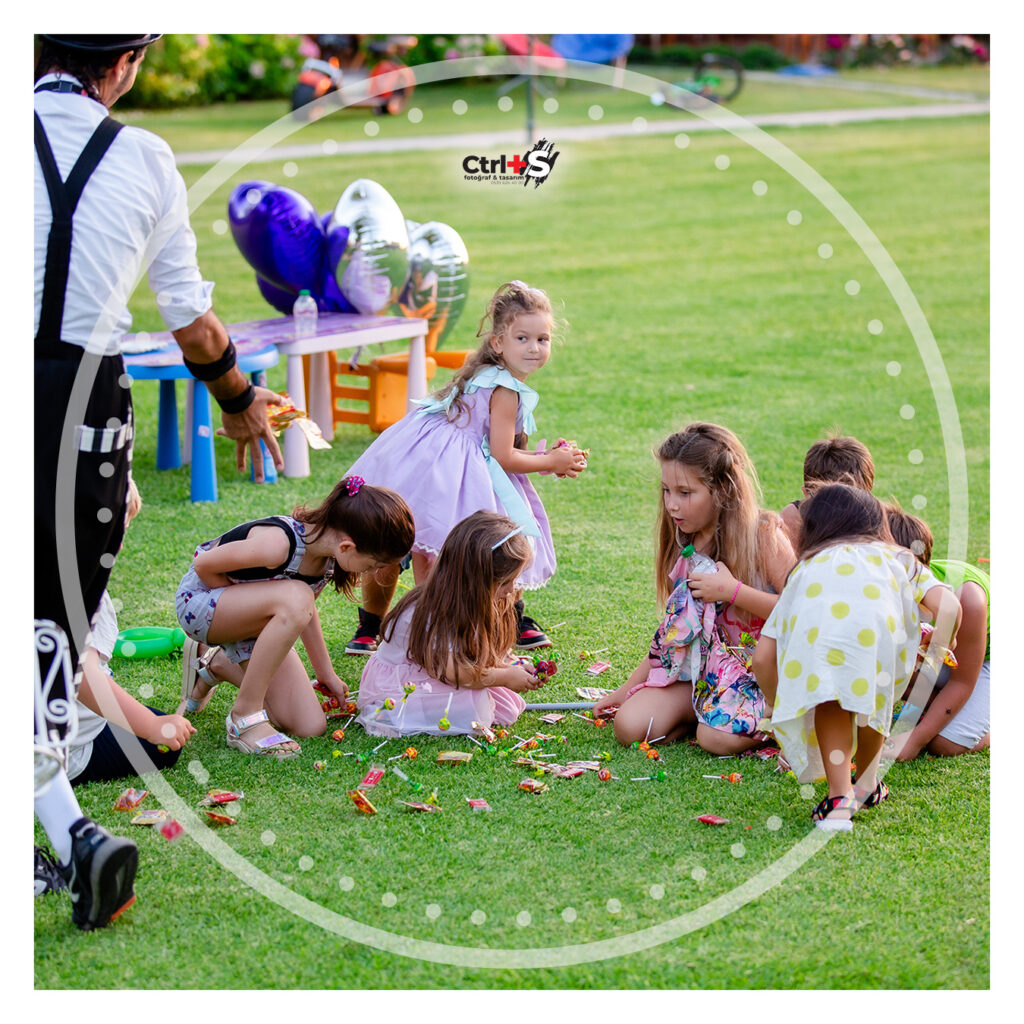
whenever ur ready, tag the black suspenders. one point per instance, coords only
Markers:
(64, 196)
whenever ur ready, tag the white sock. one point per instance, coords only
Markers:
(57, 810)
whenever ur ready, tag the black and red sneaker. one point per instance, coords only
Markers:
(365, 640)
(531, 635)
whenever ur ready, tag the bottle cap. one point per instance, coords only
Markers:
(305, 291)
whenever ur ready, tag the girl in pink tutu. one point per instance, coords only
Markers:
(464, 450)
(443, 663)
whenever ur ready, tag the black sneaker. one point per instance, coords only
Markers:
(531, 635)
(365, 640)
(100, 875)
(48, 876)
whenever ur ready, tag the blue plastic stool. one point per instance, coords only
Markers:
(165, 365)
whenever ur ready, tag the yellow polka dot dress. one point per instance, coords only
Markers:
(847, 629)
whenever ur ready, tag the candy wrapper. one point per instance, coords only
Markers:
(454, 757)
(484, 731)
(170, 829)
(478, 804)
(371, 778)
(553, 719)
(594, 693)
(130, 799)
(221, 819)
(220, 796)
(361, 801)
(286, 415)
(533, 786)
(598, 667)
(151, 816)
(414, 806)
(712, 819)
(565, 772)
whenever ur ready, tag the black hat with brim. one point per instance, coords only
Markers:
(103, 44)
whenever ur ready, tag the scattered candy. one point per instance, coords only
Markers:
(712, 819)
(488, 734)
(151, 816)
(335, 753)
(533, 786)
(130, 799)
(501, 734)
(413, 806)
(410, 752)
(371, 778)
(454, 757)
(362, 803)
(478, 804)
(659, 776)
(432, 799)
(604, 774)
(731, 777)
(170, 829)
(653, 754)
(443, 724)
(560, 772)
(590, 655)
(319, 765)
(338, 735)
(221, 819)
(598, 667)
(220, 796)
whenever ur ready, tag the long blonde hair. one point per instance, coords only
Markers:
(455, 612)
(743, 532)
(512, 299)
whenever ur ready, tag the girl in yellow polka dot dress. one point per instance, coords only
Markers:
(840, 646)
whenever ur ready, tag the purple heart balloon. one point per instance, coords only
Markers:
(281, 299)
(280, 234)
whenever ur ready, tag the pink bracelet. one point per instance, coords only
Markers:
(735, 593)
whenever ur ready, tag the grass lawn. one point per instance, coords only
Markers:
(688, 296)
(229, 124)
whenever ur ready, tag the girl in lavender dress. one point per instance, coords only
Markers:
(464, 450)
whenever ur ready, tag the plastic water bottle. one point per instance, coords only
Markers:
(304, 312)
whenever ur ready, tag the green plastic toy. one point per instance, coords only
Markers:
(148, 642)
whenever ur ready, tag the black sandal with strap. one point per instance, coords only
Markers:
(820, 814)
(877, 795)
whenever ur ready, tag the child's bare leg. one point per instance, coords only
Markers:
(656, 711)
(834, 727)
(421, 563)
(291, 700)
(379, 588)
(869, 753)
(275, 612)
(714, 741)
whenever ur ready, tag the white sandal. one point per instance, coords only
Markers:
(196, 666)
(269, 746)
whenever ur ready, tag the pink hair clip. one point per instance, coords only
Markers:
(352, 485)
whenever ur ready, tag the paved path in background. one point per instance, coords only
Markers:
(480, 141)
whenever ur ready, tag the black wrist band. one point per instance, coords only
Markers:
(240, 402)
(211, 371)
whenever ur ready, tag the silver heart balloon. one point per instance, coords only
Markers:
(438, 275)
(368, 245)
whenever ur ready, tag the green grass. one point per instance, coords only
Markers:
(228, 124)
(687, 297)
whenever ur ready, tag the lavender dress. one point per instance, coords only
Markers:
(443, 468)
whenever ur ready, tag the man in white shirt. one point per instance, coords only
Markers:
(109, 204)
